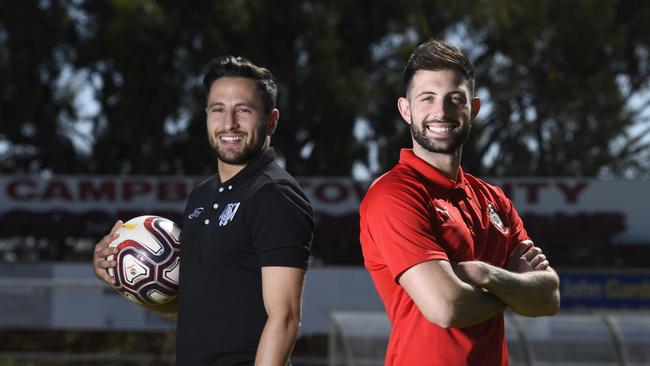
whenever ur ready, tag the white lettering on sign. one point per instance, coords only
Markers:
(87, 190)
(618, 206)
(532, 191)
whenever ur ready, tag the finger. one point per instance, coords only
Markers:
(103, 275)
(107, 251)
(537, 260)
(532, 253)
(542, 266)
(111, 237)
(108, 279)
(101, 244)
(521, 248)
(104, 242)
(106, 264)
(118, 224)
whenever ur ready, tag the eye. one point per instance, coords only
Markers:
(215, 109)
(245, 110)
(457, 99)
(427, 98)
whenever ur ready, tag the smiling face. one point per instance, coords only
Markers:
(238, 130)
(439, 107)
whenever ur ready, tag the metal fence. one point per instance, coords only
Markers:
(359, 338)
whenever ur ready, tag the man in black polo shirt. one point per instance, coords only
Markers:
(246, 234)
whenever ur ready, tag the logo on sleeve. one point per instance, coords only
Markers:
(443, 210)
(228, 213)
(196, 213)
(496, 220)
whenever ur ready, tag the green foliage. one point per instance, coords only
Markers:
(35, 46)
(556, 78)
(559, 75)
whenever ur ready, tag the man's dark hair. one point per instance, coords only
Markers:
(231, 66)
(436, 55)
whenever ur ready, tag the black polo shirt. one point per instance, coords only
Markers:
(260, 217)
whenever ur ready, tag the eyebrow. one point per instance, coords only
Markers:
(426, 92)
(213, 104)
(245, 104)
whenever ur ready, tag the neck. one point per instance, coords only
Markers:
(447, 163)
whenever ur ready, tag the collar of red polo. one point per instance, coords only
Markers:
(429, 173)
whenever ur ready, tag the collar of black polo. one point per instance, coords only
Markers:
(260, 161)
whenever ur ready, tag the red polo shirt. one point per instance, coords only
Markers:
(414, 214)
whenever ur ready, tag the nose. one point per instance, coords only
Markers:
(448, 108)
(230, 121)
(438, 110)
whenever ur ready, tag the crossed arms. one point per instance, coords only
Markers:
(467, 293)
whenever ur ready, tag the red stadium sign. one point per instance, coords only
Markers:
(88, 205)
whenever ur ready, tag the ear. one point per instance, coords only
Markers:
(404, 109)
(476, 105)
(272, 121)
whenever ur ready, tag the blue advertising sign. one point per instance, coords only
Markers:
(605, 290)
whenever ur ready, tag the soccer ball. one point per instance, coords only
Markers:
(148, 261)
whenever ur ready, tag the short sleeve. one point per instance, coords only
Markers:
(281, 225)
(399, 226)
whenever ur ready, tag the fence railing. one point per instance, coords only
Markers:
(359, 338)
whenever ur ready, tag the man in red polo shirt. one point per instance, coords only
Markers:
(447, 252)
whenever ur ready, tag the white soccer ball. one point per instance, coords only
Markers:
(148, 261)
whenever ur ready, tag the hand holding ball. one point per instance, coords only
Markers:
(148, 260)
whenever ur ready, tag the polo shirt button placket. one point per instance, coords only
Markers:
(459, 195)
(216, 205)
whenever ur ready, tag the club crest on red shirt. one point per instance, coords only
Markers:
(496, 220)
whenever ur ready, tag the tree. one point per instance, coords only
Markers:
(559, 76)
(556, 78)
(37, 41)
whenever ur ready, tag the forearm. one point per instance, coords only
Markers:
(446, 299)
(473, 306)
(277, 341)
(531, 294)
(534, 293)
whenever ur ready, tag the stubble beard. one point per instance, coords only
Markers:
(446, 146)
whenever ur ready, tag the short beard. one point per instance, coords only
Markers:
(434, 146)
(239, 158)
(246, 155)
